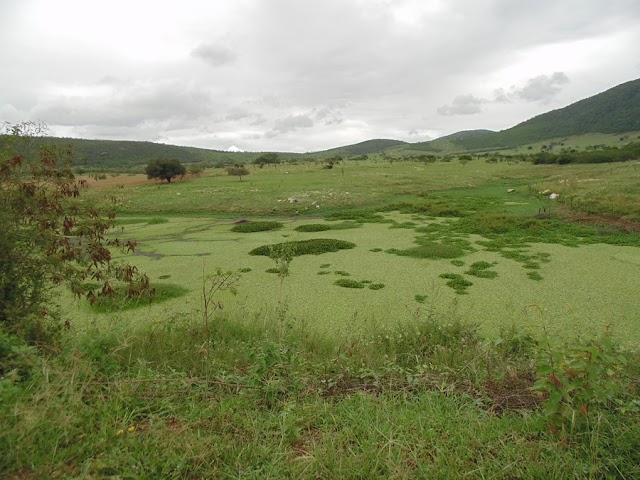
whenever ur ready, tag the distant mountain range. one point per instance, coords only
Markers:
(616, 110)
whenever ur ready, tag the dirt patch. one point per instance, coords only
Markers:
(601, 220)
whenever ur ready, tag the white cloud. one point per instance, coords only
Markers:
(286, 74)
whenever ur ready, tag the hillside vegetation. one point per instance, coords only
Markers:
(616, 110)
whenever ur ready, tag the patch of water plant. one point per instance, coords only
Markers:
(314, 246)
(250, 227)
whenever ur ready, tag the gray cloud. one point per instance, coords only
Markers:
(463, 105)
(542, 88)
(332, 71)
(289, 124)
(214, 55)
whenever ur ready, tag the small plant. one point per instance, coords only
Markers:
(579, 379)
(348, 283)
(376, 286)
(343, 273)
(375, 250)
(157, 220)
(457, 263)
(250, 227)
(244, 270)
(272, 270)
(325, 265)
(420, 298)
(324, 272)
(164, 277)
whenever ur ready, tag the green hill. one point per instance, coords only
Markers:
(367, 147)
(121, 154)
(616, 110)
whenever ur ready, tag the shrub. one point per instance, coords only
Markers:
(315, 246)
(250, 227)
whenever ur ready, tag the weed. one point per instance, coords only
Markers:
(376, 286)
(342, 273)
(244, 270)
(375, 250)
(324, 272)
(579, 380)
(157, 220)
(322, 227)
(457, 263)
(421, 298)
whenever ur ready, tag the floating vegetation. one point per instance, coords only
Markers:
(314, 246)
(322, 227)
(250, 227)
(481, 270)
(457, 282)
(348, 283)
(429, 250)
(119, 301)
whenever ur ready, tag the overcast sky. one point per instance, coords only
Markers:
(305, 75)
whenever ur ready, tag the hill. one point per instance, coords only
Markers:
(121, 154)
(616, 110)
(363, 148)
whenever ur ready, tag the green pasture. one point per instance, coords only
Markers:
(575, 289)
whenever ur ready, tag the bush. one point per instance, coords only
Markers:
(250, 227)
(315, 246)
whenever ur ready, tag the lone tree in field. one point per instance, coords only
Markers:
(267, 159)
(165, 169)
(238, 172)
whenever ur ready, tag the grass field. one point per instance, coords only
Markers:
(460, 324)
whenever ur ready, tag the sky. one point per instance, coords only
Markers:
(305, 75)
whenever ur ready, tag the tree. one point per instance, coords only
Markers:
(238, 172)
(267, 159)
(49, 238)
(165, 169)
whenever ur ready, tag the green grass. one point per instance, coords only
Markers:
(292, 377)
